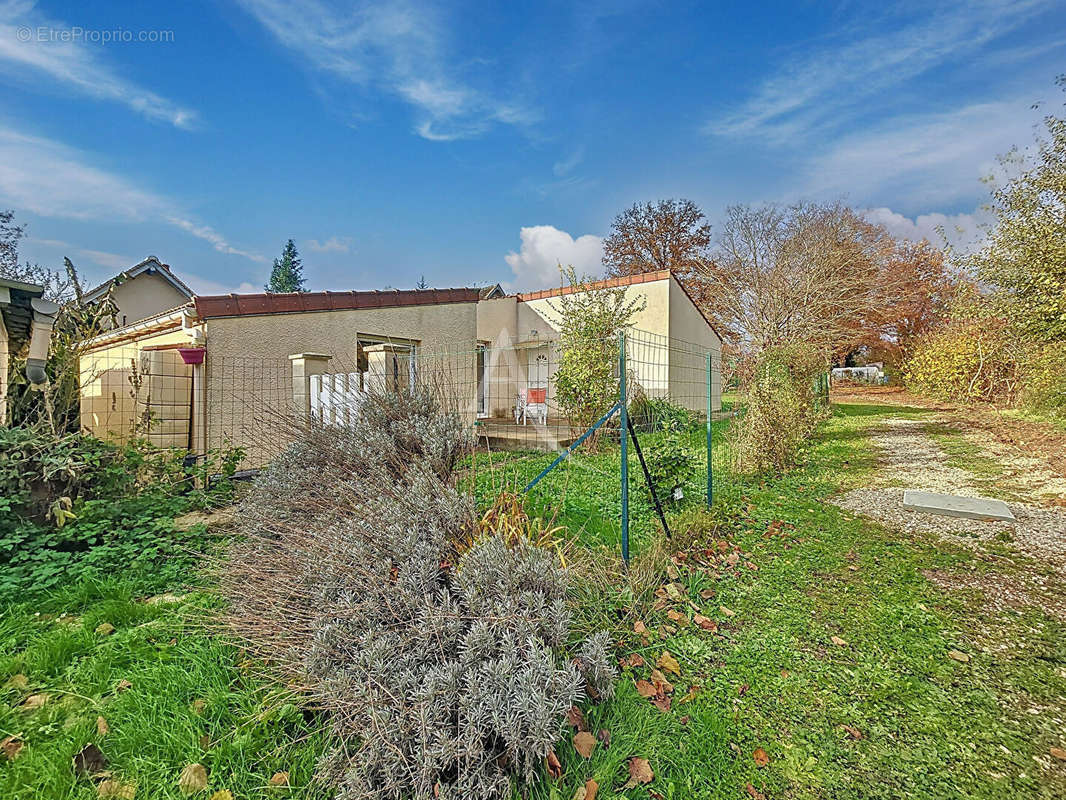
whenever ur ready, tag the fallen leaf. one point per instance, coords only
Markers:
(852, 731)
(580, 793)
(105, 629)
(197, 706)
(193, 779)
(640, 627)
(742, 689)
(604, 736)
(584, 743)
(34, 701)
(645, 689)
(838, 641)
(707, 594)
(18, 682)
(669, 663)
(11, 746)
(675, 591)
(205, 742)
(551, 762)
(661, 684)
(784, 673)
(706, 623)
(222, 794)
(89, 761)
(677, 616)
(282, 779)
(116, 790)
(958, 656)
(101, 726)
(755, 793)
(727, 611)
(633, 660)
(1058, 752)
(576, 719)
(591, 789)
(639, 772)
(761, 759)
(123, 685)
(661, 702)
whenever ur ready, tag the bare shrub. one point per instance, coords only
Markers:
(435, 644)
(781, 410)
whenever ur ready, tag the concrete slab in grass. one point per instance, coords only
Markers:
(949, 505)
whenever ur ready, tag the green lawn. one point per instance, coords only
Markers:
(191, 699)
(888, 714)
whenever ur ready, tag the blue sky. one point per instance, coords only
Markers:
(476, 143)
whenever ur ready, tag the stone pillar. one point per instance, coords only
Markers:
(304, 365)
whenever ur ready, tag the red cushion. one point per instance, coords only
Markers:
(537, 395)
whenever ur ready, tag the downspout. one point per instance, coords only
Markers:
(44, 317)
(198, 412)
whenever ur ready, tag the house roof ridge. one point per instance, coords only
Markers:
(607, 283)
(234, 304)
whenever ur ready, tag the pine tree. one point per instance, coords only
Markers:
(422, 283)
(287, 274)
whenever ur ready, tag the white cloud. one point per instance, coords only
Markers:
(204, 286)
(931, 159)
(75, 65)
(53, 180)
(104, 259)
(569, 164)
(820, 86)
(393, 47)
(961, 231)
(334, 244)
(544, 248)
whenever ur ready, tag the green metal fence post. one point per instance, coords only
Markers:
(625, 441)
(710, 408)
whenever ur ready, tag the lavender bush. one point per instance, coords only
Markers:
(442, 664)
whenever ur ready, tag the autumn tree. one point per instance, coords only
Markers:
(1024, 256)
(785, 274)
(669, 234)
(915, 291)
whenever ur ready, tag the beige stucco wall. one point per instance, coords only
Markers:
(145, 296)
(248, 378)
(112, 407)
(691, 337)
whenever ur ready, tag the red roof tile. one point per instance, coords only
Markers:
(235, 305)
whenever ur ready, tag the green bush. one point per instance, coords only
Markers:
(1045, 379)
(671, 461)
(782, 409)
(72, 506)
(651, 414)
(967, 360)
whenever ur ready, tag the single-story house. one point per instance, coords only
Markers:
(26, 320)
(223, 368)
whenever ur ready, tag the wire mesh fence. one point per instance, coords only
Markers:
(526, 401)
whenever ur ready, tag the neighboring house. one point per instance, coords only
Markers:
(144, 290)
(870, 373)
(26, 320)
(219, 368)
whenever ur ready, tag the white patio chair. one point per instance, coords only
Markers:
(531, 403)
